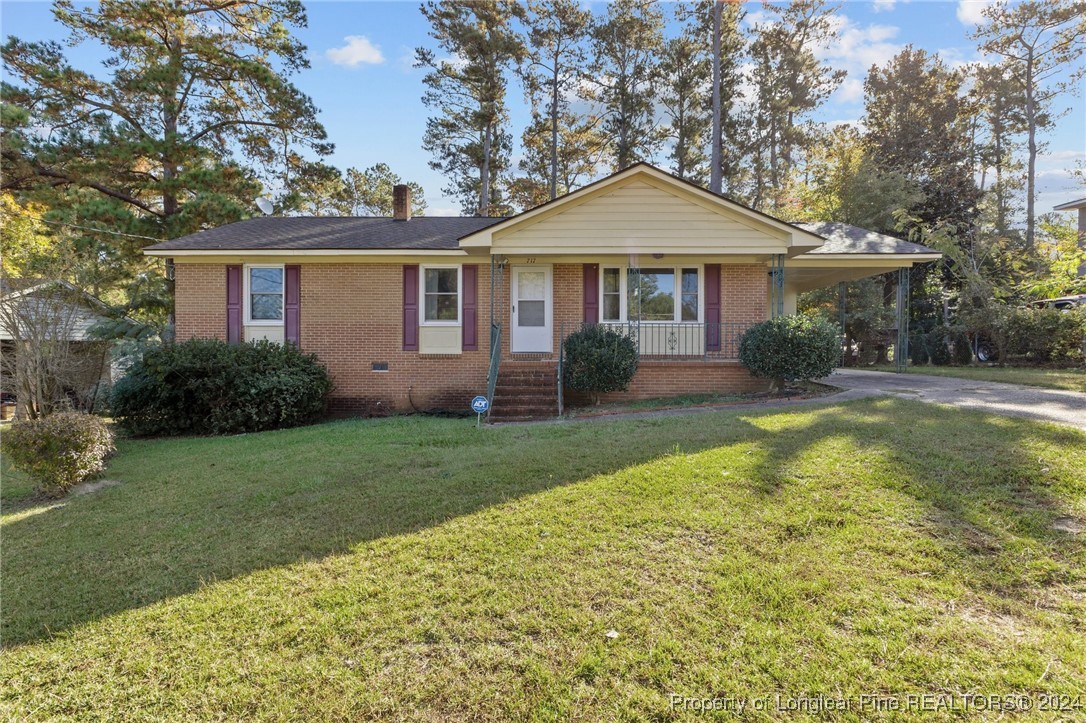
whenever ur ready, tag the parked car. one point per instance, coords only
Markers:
(1063, 303)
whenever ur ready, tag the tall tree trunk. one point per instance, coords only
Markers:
(484, 174)
(1031, 168)
(716, 172)
(552, 181)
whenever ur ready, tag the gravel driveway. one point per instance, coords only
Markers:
(1014, 400)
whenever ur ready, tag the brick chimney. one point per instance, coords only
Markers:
(401, 202)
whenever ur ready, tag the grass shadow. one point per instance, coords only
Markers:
(195, 511)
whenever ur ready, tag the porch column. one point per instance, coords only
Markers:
(901, 348)
(842, 313)
(791, 299)
(776, 286)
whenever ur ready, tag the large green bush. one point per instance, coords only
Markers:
(1043, 335)
(210, 387)
(599, 359)
(59, 451)
(791, 348)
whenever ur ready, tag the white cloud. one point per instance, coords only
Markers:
(851, 90)
(858, 47)
(971, 12)
(442, 210)
(406, 60)
(358, 50)
(884, 5)
(1063, 157)
(854, 49)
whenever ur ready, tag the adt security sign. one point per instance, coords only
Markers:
(479, 405)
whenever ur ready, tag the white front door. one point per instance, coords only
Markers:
(532, 314)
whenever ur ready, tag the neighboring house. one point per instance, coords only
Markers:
(46, 347)
(1080, 206)
(405, 311)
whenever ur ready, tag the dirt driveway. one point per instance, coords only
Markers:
(1014, 400)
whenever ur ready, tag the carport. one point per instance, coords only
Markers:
(849, 254)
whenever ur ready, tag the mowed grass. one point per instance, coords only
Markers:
(1071, 380)
(418, 568)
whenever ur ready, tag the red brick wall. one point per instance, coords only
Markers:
(200, 301)
(676, 378)
(351, 317)
(744, 293)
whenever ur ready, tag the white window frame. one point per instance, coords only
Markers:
(623, 285)
(248, 297)
(459, 294)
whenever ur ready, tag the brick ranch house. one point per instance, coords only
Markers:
(427, 312)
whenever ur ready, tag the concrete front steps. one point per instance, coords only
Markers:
(526, 390)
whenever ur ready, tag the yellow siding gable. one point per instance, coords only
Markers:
(640, 217)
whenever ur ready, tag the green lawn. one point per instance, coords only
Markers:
(417, 568)
(1072, 380)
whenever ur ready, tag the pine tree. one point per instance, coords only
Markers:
(685, 78)
(555, 67)
(626, 43)
(790, 82)
(917, 123)
(717, 25)
(469, 137)
(1041, 42)
(193, 114)
(369, 192)
(580, 148)
(1000, 121)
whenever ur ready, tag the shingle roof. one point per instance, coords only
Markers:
(1071, 205)
(296, 233)
(842, 238)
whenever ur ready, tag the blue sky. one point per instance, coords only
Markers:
(370, 97)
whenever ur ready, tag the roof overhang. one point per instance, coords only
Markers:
(890, 260)
(1071, 205)
(817, 271)
(795, 239)
(183, 253)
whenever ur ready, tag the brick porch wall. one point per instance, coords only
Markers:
(351, 317)
(676, 378)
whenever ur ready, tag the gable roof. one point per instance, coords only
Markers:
(298, 233)
(799, 236)
(1071, 205)
(843, 238)
(12, 288)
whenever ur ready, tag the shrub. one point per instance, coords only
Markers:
(599, 359)
(59, 451)
(918, 349)
(791, 348)
(210, 387)
(939, 340)
(1044, 335)
(962, 349)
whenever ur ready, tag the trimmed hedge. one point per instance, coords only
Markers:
(1045, 336)
(599, 359)
(791, 348)
(59, 451)
(211, 387)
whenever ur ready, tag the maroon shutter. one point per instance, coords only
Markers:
(411, 307)
(591, 293)
(233, 304)
(712, 307)
(470, 341)
(292, 305)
